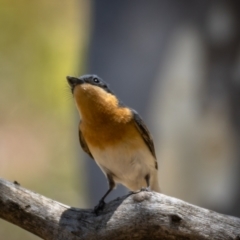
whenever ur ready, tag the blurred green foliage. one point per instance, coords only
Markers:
(40, 43)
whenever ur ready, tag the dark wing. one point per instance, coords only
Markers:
(142, 128)
(83, 143)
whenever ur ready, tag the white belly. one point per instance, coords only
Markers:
(127, 165)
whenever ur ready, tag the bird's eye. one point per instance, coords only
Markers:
(96, 80)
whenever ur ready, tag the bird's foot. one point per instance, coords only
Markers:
(143, 189)
(133, 192)
(99, 207)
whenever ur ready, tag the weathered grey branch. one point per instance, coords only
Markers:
(145, 215)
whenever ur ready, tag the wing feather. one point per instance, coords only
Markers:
(83, 143)
(144, 132)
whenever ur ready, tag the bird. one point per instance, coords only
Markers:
(115, 136)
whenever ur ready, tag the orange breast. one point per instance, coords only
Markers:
(103, 134)
(103, 122)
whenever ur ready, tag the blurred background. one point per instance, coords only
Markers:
(176, 62)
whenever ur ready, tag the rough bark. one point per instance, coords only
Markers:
(145, 215)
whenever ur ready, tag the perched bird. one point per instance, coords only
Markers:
(114, 136)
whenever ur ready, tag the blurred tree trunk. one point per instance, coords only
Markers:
(222, 84)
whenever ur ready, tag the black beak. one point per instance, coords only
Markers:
(73, 82)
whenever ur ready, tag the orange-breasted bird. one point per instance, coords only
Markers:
(114, 136)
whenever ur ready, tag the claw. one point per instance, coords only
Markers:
(99, 207)
(145, 189)
(133, 192)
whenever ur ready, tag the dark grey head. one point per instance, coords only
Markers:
(89, 79)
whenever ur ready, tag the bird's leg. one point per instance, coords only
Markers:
(101, 203)
(147, 189)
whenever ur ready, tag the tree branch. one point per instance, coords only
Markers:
(145, 215)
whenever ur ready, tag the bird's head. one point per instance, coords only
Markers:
(89, 82)
(90, 91)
